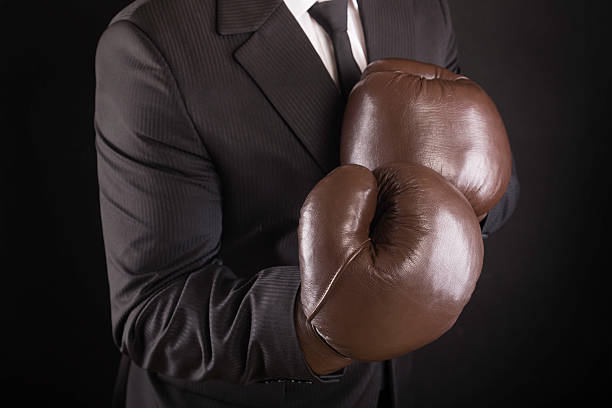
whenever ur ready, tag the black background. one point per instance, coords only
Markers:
(534, 332)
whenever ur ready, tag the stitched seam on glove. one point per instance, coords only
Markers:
(334, 278)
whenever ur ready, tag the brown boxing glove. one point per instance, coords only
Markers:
(388, 260)
(403, 110)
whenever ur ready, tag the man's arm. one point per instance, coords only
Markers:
(176, 309)
(501, 212)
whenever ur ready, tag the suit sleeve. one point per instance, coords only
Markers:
(501, 212)
(176, 309)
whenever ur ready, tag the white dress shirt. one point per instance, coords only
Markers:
(322, 42)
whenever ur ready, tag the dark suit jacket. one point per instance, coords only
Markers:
(214, 119)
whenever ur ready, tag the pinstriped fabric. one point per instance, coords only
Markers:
(394, 38)
(207, 145)
(312, 98)
(161, 212)
(244, 15)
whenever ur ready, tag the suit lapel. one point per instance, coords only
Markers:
(282, 61)
(279, 57)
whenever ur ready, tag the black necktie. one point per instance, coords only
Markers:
(331, 15)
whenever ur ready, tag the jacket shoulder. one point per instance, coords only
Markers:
(131, 9)
(160, 10)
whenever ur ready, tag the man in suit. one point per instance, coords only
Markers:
(214, 119)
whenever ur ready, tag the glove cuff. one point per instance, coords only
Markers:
(320, 356)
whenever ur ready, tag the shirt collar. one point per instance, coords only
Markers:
(299, 7)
